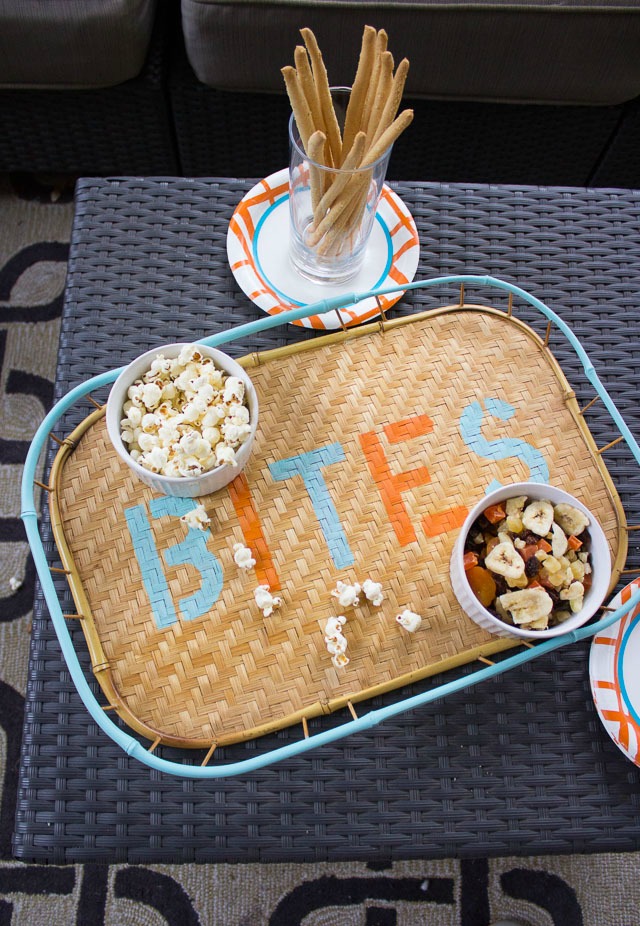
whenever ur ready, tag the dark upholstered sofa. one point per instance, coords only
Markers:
(519, 91)
(83, 87)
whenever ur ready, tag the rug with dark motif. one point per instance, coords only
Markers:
(598, 890)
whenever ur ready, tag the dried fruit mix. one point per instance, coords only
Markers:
(528, 561)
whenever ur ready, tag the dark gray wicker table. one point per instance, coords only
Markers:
(517, 765)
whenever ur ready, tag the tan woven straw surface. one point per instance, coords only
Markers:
(384, 472)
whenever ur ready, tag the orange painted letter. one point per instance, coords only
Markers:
(392, 485)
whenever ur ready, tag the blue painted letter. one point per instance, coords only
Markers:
(308, 465)
(471, 421)
(192, 550)
(150, 564)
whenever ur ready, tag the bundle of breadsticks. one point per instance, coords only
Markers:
(371, 126)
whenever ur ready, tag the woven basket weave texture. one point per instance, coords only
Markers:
(378, 420)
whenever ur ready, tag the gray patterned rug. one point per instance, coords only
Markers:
(598, 890)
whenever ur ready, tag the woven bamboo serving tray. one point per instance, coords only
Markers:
(373, 444)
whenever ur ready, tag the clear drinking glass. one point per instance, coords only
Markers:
(331, 210)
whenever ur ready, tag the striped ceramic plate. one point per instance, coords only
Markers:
(615, 679)
(257, 248)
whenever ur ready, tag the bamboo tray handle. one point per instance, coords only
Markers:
(128, 743)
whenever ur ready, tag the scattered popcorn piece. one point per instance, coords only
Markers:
(337, 644)
(197, 518)
(373, 592)
(242, 556)
(346, 594)
(15, 583)
(334, 626)
(265, 600)
(340, 660)
(335, 640)
(409, 620)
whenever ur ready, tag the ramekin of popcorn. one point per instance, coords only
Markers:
(183, 417)
(531, 561)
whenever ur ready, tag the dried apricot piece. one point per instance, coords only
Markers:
(482, 584)
(495, 513)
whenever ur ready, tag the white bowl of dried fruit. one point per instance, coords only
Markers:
(183, 417)
(530, 561)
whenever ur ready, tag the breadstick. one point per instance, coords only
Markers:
(344, 243)
(393, 102)
(380, 48)
(355, 217)
(345, 211)
(341, 240)
(330, 220)
(348, 210)
(331, 126)
(316, 153)
(362, 80)
(359, 195)
(388, 137)
(351, 162)
(308, 86)
(301, 111)
(383, 89)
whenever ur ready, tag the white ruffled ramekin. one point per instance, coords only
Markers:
(600, 565)
(181, 486)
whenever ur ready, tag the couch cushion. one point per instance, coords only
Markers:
(543, 51)
(73, 43)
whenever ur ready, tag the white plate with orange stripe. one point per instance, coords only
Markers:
(615, 679)
(258, 253)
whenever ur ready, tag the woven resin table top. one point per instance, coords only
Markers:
(517, 765)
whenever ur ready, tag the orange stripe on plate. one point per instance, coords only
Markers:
(625, 726)
(243, 210)
(241, 263)
(370, 313)
(629, 590)
(405, 222)
(268, 195)
(397, 275)
(236, 227)
(407, 246)
(404, 218)
(245, 244)
(314, 321)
